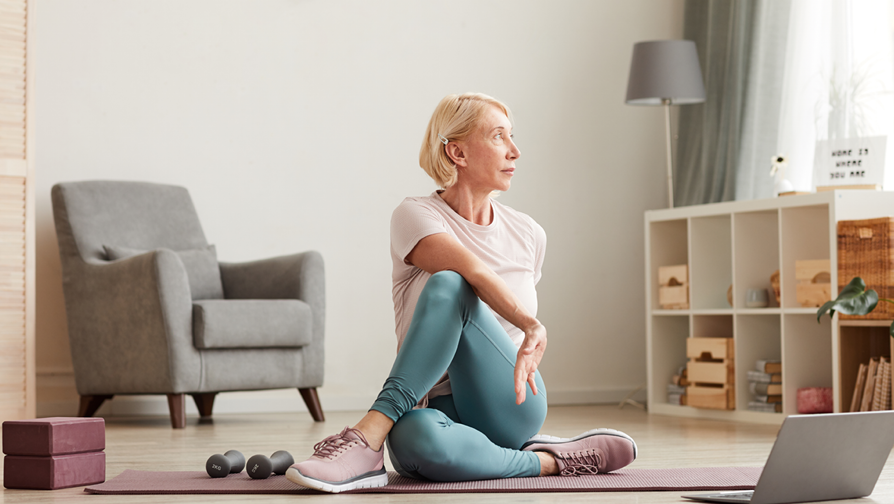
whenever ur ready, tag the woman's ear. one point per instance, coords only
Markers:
(456, 154)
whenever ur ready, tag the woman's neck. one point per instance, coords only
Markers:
(474, 206)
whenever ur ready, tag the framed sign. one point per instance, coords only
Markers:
(850, 161)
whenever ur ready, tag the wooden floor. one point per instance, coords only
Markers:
(151, 444)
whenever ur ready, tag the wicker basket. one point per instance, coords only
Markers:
(866, 250)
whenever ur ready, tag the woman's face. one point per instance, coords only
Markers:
(490, 153)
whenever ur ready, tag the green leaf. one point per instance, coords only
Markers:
(853, 300)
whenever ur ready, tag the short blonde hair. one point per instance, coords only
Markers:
(455, 118)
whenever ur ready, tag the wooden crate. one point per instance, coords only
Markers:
(814, 285)
(711, 373)
(866, 250)
(673, 287)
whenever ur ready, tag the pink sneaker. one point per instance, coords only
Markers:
(341, 462)
(595, 451)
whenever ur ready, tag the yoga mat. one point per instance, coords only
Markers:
(625, 480)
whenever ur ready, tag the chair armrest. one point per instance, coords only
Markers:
(130, 325)
(298, 276)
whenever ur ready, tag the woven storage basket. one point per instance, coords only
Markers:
(866, 250)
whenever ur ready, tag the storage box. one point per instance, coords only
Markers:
(866, 250)
(814, 282)
(711, 373)
(54, 472)
(53, 436)
(673, 287)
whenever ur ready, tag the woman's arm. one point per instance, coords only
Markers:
(441, 252)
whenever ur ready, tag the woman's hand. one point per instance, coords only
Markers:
(528, 359)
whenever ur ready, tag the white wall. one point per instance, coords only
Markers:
(296, 125)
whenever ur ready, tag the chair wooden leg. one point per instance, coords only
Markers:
(313, 403)
(177, 406)
(205, 404)
(91, 403)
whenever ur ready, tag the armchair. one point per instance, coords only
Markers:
(151, 311)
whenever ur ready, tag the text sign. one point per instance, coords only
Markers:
(850, 161)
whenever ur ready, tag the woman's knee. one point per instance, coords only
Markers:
(416, 439)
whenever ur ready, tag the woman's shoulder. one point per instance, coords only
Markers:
(414, 207)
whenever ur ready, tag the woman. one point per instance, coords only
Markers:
(465, 267)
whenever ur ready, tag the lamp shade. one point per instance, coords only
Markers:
(665, 70)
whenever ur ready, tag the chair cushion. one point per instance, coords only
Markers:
(251, 323)
(201, 266)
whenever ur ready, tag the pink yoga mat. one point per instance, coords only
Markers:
(625, 480)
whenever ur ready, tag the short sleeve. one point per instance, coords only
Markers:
(412, 221)
(539, 250)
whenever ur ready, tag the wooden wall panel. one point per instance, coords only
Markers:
(16, 220)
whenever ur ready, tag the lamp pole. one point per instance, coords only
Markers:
(670, 163)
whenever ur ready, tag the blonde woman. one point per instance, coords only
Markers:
(464, 396)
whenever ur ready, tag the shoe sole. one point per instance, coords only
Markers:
(544, 439)
(375, 480)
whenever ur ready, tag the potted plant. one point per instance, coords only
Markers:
(854, 300)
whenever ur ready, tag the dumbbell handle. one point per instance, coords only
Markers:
(261, 466)
(218, 466)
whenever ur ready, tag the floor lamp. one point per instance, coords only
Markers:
(665, 72)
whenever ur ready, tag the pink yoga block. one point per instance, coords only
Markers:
(52, 473)
(53, 436)
(815, 400)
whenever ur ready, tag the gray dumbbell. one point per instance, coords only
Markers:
(261, 466)
(219, 466)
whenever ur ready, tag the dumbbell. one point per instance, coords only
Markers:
(219, 466)
(260, 466)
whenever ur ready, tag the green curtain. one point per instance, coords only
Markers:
(709, 134)
(725, 144)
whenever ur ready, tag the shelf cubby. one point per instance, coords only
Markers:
(758, 337)
(670, 333)
(674, 249)
(711, 247)
(756, 253)
(805, 235)
(807, 356)
(857, 344)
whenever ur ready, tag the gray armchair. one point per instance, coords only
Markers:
(151, 311)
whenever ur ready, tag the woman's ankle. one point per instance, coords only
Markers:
(375, 426)
(548, 465)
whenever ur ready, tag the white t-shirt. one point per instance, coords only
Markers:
(513, 246)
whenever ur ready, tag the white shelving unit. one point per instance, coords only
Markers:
(741, 244)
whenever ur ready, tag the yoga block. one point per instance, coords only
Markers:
(53, 436)
(54, 472)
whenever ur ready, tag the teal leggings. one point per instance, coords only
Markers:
(476, 432)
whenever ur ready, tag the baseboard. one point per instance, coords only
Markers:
(595, 396)
(289, 401)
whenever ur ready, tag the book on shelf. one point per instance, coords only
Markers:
(769, 366)
(765, 389)
(766, 407)
(869, 386)
(770, 399)
(675, 389)
(857, 399)
(760, 376)
(882, 390)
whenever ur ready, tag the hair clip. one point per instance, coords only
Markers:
(442, 139)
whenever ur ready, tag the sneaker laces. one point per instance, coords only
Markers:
(580, 463)
(336, 444)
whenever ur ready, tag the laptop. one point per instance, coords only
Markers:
(820, 457)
